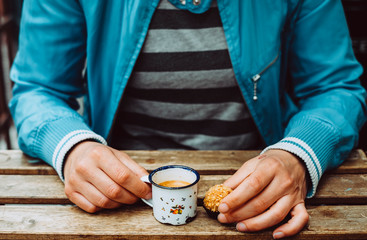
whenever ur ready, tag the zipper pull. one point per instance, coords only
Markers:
(254, 80)
(257, 77)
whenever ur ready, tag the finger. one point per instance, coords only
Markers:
(130, 163)
(299, 219)
(249, 188)
(94, 196)
(271, 217)
(271, 194)
(246, 169)
(124, 176)
(83, 203)
(111, 189)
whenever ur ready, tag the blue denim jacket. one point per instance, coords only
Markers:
(292, 59)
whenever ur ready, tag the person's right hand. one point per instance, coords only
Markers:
(97, 177)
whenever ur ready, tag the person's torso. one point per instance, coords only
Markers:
(183, 93)
(117, 31)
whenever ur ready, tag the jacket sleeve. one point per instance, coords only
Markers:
(47, 73)
(326, 88)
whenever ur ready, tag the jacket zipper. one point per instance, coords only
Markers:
(257, 77)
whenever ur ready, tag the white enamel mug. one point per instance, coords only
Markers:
(173, 205)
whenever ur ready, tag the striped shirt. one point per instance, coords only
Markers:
(182, 93)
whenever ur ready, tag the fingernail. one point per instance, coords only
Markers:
(148, 196)
(278, 235)
(223, 208)
(221, 218)
(241, 227)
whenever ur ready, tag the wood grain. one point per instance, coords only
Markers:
(48, 189)
(16, 162)
(137, 222)
(206, 162)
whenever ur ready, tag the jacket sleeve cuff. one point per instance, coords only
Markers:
(56, 137)
(298, 148)
(67, 143)
(314, 141)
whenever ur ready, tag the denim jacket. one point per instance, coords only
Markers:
(292, 59)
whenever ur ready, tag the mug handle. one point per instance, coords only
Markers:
(149, 202)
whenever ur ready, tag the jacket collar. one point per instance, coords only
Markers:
(194, 6)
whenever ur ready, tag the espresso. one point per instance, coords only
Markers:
(174, 183)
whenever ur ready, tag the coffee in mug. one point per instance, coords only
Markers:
(174, 183)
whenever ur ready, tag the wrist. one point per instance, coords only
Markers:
(77, 150)
(68, 143)
(293, 162)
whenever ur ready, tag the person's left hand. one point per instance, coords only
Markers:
(265, 190)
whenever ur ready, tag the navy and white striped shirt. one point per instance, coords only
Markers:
(183, 93)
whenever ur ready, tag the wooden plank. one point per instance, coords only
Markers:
(137, 222)
(16, 162)
(48, 189)
(206, 162)
(356, 163)
(32, 189)
(341, 189)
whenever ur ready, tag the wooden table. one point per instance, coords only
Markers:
(33, 204)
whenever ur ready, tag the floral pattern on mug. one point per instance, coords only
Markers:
(177, 209)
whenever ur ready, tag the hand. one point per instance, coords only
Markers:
(266, 189)
(97, 176)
